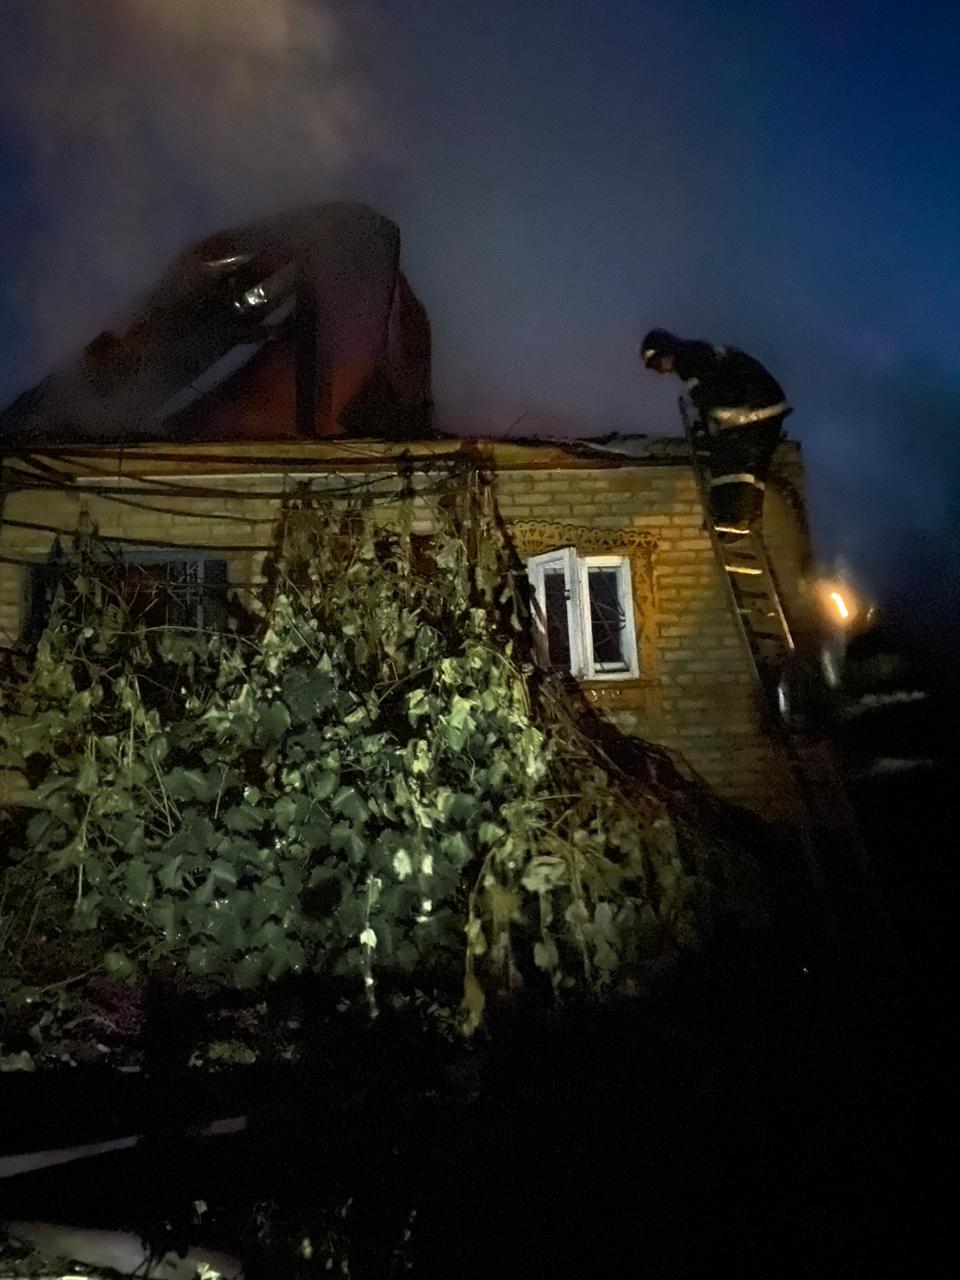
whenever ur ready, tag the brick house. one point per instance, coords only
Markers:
(633, 598)
(673, 669)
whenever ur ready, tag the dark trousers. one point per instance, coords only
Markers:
(739, 460)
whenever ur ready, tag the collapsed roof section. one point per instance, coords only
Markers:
(299, 325)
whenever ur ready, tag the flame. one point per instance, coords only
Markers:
(839, 601)
(841, 604)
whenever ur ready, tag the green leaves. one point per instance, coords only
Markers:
(192, 784)
(544, 874)
(139, 880)
(243, 817)
(489, 833)
(308, 693)
(420, 703)
(457, 848)
(274, 721)
(119, 965)
(347, 842)
(349, 802)
(460, 722)
(170, 875)
(365, 783)
(325, 784)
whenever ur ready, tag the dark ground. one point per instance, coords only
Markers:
(755, 1114)
(752, 1116)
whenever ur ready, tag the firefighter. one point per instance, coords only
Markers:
(741, 409)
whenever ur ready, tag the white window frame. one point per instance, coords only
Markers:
(576, 574)
(608, 671)
(565, 558)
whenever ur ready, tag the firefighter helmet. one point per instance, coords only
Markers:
(657, 343)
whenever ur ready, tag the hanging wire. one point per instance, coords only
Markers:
(353, 488)
(454, 477)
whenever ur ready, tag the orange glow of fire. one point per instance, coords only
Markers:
(841, 604)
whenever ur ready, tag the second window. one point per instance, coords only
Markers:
(584, 614)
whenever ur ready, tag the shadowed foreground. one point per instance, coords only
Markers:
(749, 1113)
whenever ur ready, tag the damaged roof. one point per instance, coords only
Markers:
(301, 324)
(297, 327)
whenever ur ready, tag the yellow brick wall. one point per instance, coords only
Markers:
(695, 694)
(240, 527)
(703, 707)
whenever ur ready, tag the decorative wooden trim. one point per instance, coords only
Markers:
(533, 537)
(622, 695)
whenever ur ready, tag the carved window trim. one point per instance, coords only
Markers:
(536, 537)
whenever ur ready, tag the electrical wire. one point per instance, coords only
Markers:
(35, 526)
(111, 495)
(30, 483)
(383, 461)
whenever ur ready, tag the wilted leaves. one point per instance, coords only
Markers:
(376, 731)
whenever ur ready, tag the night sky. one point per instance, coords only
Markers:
(782, 177)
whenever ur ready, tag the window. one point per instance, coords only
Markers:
(157, 589)
(173, 593)
(584, 613)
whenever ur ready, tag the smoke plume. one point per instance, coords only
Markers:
(144, 124)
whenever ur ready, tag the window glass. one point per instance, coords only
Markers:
(607, 618)
(155, 592)
(583, 613)
(555, 608)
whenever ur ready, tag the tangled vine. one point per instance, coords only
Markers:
(371, 781)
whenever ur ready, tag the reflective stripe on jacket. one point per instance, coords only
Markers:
(744, 417)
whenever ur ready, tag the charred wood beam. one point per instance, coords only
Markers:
(313, 389)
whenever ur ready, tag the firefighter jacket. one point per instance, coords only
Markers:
(729, 388)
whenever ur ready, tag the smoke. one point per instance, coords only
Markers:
(144, 124)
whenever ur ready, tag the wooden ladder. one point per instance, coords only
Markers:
(752, 593)
(836, 858)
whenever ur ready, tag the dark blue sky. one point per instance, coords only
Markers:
(783, 177)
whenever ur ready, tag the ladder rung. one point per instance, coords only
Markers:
(744, 557)
(765, 632)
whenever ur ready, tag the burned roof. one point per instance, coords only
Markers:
(301, 324)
